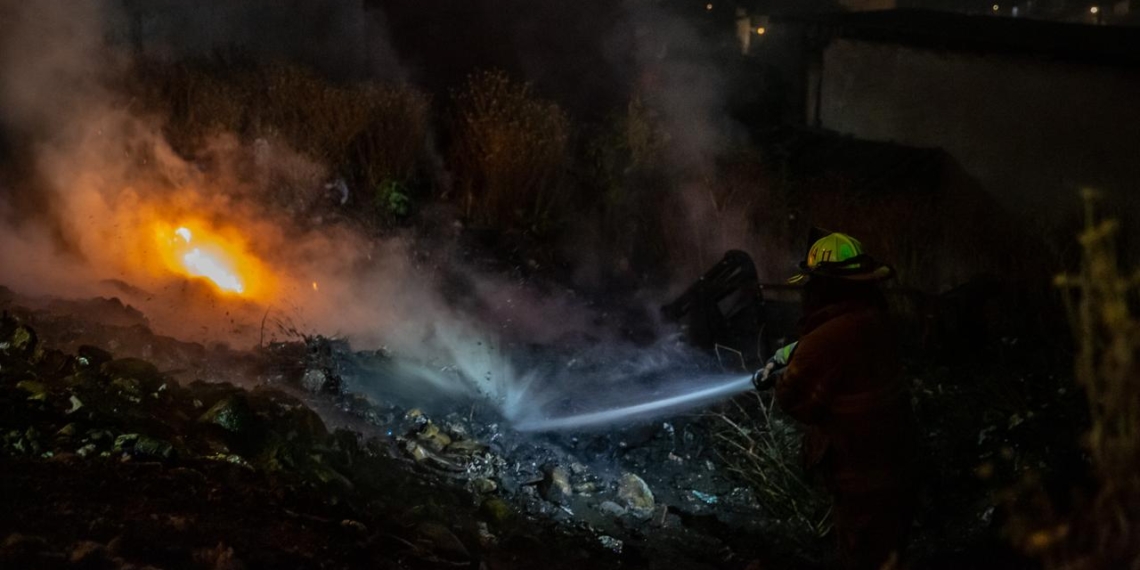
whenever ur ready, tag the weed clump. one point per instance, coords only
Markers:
(760, 445)
(508, 151)
(1102, 527)
(374, 135)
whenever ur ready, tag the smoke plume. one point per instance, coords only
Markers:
(102, 189)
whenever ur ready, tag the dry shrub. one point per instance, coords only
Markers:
(630, 144)
(196, 104)
(643, 137)
(1103, 531)
(392, 139)
(623, 186)
(508, 151)
(375, 133)
(750, 200)
(761, 445)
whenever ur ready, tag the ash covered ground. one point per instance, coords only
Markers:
(127, 449)
(130, 439)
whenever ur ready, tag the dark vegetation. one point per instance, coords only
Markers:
(509, 160)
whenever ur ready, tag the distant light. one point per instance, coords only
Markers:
(997, 7)
(761, 30)
(708, 6)
(1094, 9)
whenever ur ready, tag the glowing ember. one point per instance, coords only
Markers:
(195, 253)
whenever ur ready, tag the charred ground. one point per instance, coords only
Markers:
(217, 458)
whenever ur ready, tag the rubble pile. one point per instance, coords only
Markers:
(108, 460)
(120, 448)
(129, 455)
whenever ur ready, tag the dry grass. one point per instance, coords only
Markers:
(1103, 531)
(509, 151)
(370, 132)
(763, 449)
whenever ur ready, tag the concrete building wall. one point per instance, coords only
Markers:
(1031, 130)
(866, 5)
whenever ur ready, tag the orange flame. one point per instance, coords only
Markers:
(194, 252)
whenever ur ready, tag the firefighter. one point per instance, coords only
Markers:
(842, 380)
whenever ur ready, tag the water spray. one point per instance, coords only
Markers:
(725, 388)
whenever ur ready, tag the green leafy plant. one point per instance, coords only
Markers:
(391, 199)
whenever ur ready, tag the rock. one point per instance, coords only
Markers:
(612, 509)
(555, 486)
(355, 527)
(586, 488)
(88, 553)
(32, 436)
(93, 357)
(100, 435)
(86, 450)
(35, 390)
(220, 557)
(231, 413)
(115, 546)
(496, 511)
(415, 451)
(21, 342)
(433, 438)
(487, 539)
(177, 523)
(20, 551)
(287, 415)
(321, 370)
(154, 448)
(328, 475)
(76, 403)
(66, 432)
(635, 493)
(456, 429)
(416, 416)
(133, 371)
(484, 486)
(319, 381)
(125, 442)
(443, 541)
(128, 387)
(611, 543)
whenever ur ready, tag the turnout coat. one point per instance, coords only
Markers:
(844, 382)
